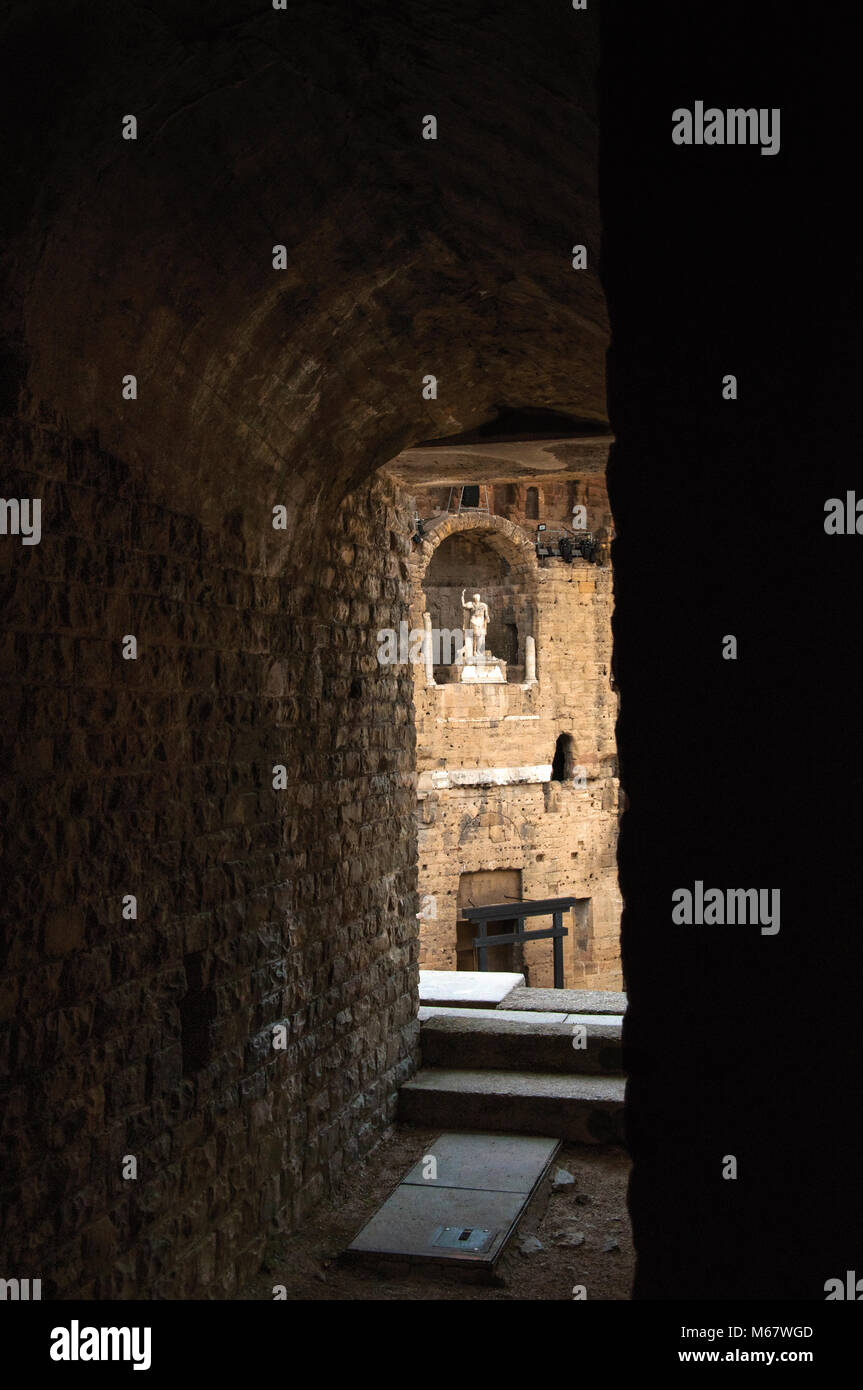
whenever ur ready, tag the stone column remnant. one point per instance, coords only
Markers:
(529, 661)
(428, 650)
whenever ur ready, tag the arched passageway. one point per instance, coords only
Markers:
(214, 835)
(224, 820)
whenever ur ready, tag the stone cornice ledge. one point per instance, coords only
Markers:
(446, 777)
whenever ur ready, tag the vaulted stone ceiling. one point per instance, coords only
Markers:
(405, 256)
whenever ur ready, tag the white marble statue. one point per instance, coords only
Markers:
(476, 629)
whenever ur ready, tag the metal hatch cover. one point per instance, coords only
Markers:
(473, 1238)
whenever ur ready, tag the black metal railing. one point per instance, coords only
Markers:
(570, 545)
(517, 912)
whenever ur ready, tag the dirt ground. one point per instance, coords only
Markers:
(593, 1206)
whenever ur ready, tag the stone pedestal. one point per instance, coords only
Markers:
(490, 672)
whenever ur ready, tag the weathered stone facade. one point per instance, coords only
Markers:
(491, 800)
(152, 1037)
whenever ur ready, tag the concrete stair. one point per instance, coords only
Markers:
(511, 1067)
(480, 1040)
(571, 1001)
(584, 1109)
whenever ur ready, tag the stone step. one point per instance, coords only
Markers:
(431, 1010)
(474, 989)
(583, 1109)
(524, 1042)
(570, 1001)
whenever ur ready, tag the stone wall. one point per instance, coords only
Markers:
(564, 842)
(554, 499)
(484, 755)
(152, 1037)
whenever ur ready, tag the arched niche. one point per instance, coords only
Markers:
(563, 762)
(493, 559)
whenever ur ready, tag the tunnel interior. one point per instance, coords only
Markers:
(248, 775)
(205, 432)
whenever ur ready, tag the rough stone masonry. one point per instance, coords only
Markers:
(497, 817)
(152, 1037)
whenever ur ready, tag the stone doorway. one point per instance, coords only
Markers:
(478, 890)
